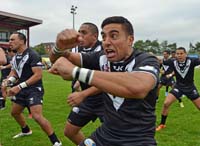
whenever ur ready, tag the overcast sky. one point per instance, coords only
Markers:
(173, 20)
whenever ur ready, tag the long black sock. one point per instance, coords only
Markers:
(53, 138)
(163, 119)
(25, 129)
(167, 88)
(4, 103)
(179, 100)
(29, 110)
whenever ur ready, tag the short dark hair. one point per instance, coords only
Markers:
(21, 36)
(173, 51)
(181, 48)
(167, 51)
(93, 27)
(119, 20)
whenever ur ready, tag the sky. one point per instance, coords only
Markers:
(177, 21)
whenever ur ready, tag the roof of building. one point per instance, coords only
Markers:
(10, 21)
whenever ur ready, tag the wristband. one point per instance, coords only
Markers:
(76, 73)
(22, 85)
(82, 74)
(56, 50)
(12, 79)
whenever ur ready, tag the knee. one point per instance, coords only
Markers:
(70, 132)
(166, 105)
(14, 113)
(36, 117)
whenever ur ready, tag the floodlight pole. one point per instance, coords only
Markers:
(73, 12)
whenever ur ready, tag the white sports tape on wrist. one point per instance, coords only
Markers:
(56, 50)
(75, 73)
(12, 79)
(23, 85)
(82, 74)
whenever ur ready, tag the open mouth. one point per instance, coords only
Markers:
(110, 53)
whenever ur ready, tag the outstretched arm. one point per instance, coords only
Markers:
(122, 84)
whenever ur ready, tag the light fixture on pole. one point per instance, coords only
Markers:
(73, 12)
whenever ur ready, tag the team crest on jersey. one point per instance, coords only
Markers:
(183, 69)
(105, 67)
(165, 67)
(19, 67)
(104, 63)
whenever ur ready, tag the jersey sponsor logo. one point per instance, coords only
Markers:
(182, 69)
(118, 68)
(117, 101)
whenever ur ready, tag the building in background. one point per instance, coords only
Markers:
(12, 22)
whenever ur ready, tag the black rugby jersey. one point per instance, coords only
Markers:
(167, 68)
(127, 121)
(96, 99)
(5, 72)
(23, 63)
(184, 71)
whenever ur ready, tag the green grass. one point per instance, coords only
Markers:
(182, 123)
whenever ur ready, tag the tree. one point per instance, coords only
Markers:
(172, 46)
(40, 49)
(139, 45)
(197, 46)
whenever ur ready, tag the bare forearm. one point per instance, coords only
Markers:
(128, 85)
(90, 91)
(72, 57)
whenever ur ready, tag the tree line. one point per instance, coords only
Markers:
(148, 46)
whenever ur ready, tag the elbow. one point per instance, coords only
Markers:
(52, 58)
(2, 62)
(38, 76)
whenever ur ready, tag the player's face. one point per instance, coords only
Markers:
(14, 42)
(88, 38)
(181, 55)
(116, 42)
(165, 55)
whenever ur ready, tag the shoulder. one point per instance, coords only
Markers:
(143, 56)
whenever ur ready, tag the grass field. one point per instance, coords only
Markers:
(182, 123)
